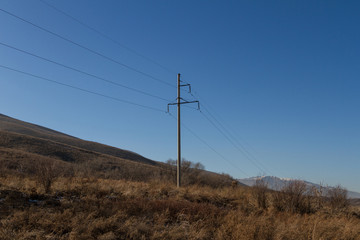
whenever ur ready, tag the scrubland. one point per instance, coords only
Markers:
(78, 207)
(54, 186)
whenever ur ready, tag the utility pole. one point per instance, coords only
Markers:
(179, 102)
(178, 172)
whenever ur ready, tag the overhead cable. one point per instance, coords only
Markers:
(82, 89)
(88, 49)
(106, 36)
(83, 72)
(240, 147)
(229, 132)
(210, 147)
(231, 142)
(230, 138)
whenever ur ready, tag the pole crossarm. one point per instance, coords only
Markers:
(186, 85)
(185, 102)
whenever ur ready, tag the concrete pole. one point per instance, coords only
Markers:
(179, 134)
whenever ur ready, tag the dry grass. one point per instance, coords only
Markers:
(25, 155)
(106, 193)
(94, 208)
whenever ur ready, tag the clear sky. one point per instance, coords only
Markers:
(281, 76)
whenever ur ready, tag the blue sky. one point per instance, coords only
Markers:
(281, 76)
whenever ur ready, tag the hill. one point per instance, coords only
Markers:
(8, 124)
(25, 146)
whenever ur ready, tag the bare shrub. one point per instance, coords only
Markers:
(170, 170)
(317, 194)
(259, 191)
(191, 173)
(3, 168)
(216, 180)
(338, 198)
(46, 173)
(279, 200)
(295, 196)
(292, 198)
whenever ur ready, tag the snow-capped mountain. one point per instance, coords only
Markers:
(276, 183)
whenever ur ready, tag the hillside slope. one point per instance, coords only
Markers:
(11, 125)
(25, 146)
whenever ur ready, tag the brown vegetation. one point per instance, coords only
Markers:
(293, 198)
(24, 145)
(36, 139)
(46, 173)
(95, 208)
(53, 186)
(338, 198)
(260, 192)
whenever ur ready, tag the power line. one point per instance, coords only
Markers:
(105, 57)
(88, 49)
(229, 132)
(210, 147)
(241, 148)
(83, 90)
(228, 129)
(232, 139)
(244, 150)
(83, 72)
(231, 142)
(106, 36)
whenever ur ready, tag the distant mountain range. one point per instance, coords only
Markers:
(276, 183)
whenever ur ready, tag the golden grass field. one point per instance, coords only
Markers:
(94, 208)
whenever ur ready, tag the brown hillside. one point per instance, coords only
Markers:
(12, 125)
(24, 146)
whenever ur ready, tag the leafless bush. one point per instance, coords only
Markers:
(317, 194)
(170, 170)
(259, 191)
(46, 173)
(190, 171)
(279, 200)
(292, 198)
(3, 169)
(194, 174)
(295, 193)
(338, 198)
